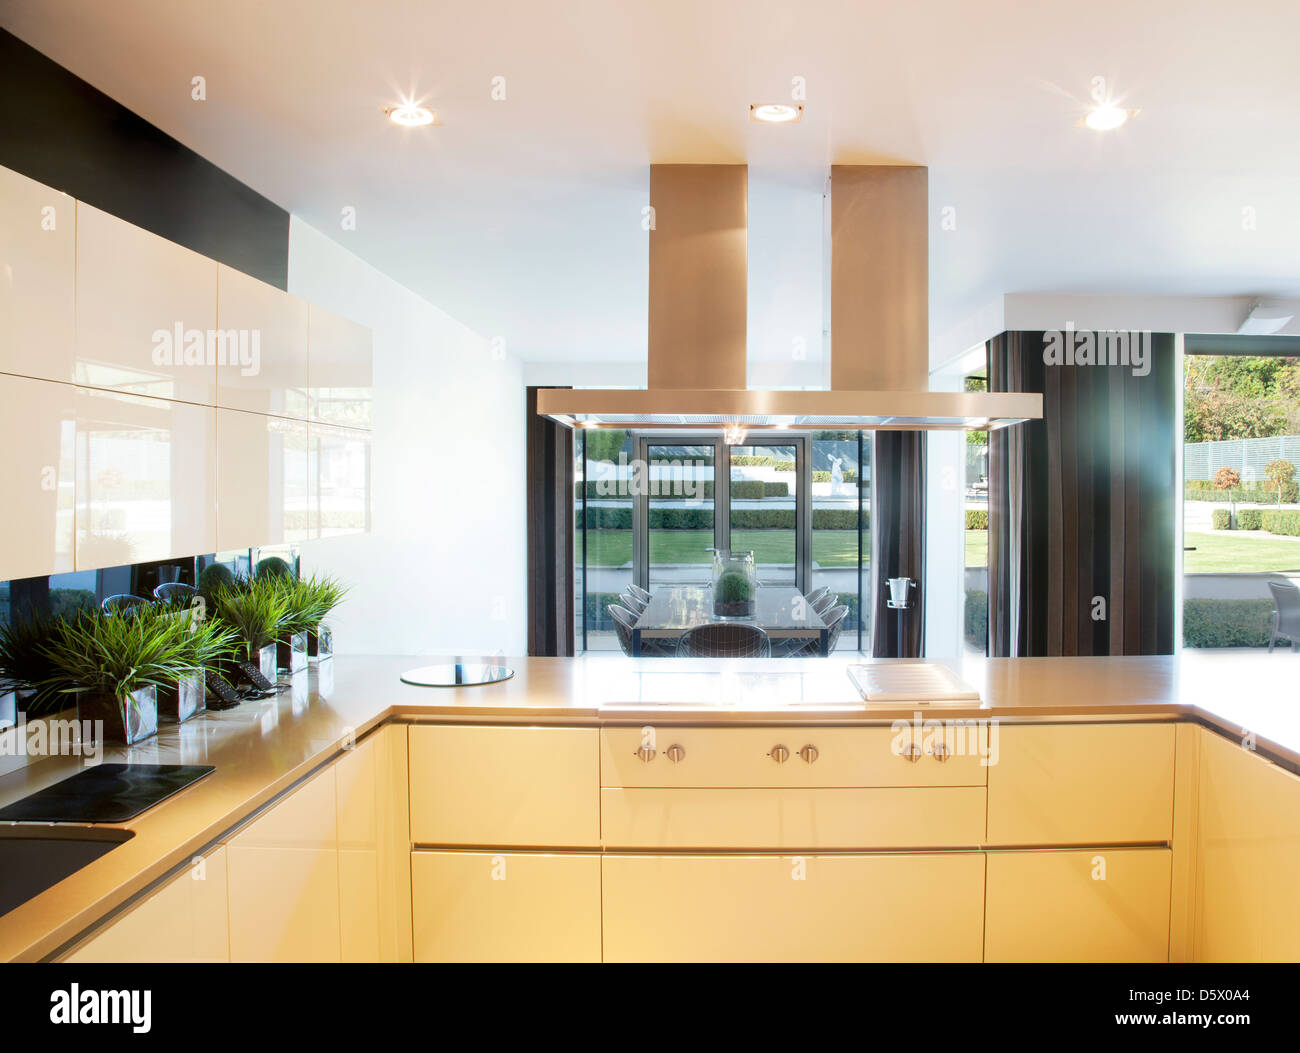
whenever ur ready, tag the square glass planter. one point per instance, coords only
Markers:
(291, 653)
(8, 709)
(187, 698)
(320, 643)
(122, 724)
(265, 659)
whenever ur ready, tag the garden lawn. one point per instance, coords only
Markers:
(1239, 552)
(831, 548)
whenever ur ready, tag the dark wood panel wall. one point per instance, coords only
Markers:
(1082, 505)
(57, 129)
(550, 533)
(898, 541)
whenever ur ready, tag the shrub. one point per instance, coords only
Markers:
(1226, 623)
(776, 489)
(825, 477)
(215, 577)
(1226, 479)
(1275, 522)
(1221, 519)
(1259, 492)
(977, 618)
(783, 466)
(1279, 473)
(1248, 519)
(977, 519)
(602, 517)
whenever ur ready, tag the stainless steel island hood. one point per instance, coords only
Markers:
(879, 317)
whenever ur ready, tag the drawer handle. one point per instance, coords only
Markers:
(809, 753)
(912, 754)
(779, 754)
(646, 753)
(675, 753)
(940, 752)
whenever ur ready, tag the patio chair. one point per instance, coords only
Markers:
(724, 640)
(639, 593)
(122, 603)
(825, 603)
(632, 602)
(624, 622)
(1286, 614)
(817, 595)
(834, 619)
(176, 593)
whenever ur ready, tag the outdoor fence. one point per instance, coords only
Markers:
(1247, 456)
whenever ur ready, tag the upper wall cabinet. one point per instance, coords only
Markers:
(37, 477)
(263, 333)
(264, 491)
(146, 312)
(38, 231)
(146, 475)
(340, 374)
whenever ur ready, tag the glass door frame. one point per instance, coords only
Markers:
(802, 443)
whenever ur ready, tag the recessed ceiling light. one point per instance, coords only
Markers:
(1106, 117)
(775, 112)
(409, 115)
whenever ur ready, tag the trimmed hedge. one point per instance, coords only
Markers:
(977, 619)
(1221, 519)
(1249, 519)
(1226, 623)
(1275, 522)
(977, 519)
(1257, 492)
(749, 489)
(825, 477)
(620, 518)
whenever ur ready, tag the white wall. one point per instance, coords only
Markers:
(443, 571)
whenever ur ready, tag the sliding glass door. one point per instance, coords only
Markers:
(763, 506)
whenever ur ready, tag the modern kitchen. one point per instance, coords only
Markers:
(675, 483)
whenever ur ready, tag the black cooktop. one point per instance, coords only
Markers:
(106, 793)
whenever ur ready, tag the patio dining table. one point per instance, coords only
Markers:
(779, 610)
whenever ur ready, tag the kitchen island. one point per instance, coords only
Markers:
(605, 808)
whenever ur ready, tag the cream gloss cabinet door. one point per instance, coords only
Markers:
(1090, 905)
(506, 906)
(510, 786)
(146, 312)
(340, 370)
(38, 253)
(897, 907)
(1062, 784)
(182, 921)
(264, 487)
(261, 363)
(374, 849)
(284, 880)
(37, 476)
(1249, 857)
(146, 479)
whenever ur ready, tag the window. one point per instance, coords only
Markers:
(652, 507)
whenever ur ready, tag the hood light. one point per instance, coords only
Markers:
(409, 115)
(775, 112)
(733, 435)
(1106, 118)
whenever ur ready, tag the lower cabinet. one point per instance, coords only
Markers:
(505, 906)
(1090, 905)
(284, 880)
(887, 907)
(182, 921)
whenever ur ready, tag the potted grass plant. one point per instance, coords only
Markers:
(256, 611)
(328, 593)
(303, 613)
(115, 663)
(207, 642)
(26, 671)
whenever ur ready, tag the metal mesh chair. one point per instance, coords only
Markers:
(624, 620)
(724, 640)
(817, 595)
(175, 592)
(122, 603)
(632, 602)
(639, 593)
(825, 603)
(834, 620)
(1286, 614)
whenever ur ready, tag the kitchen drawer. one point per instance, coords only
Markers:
(924, 907)
(1082, 784)
(507, 786)
(745, 756)
(1094, 905)
(505, 907)
(921, 817)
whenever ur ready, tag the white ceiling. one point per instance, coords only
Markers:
(522, 217)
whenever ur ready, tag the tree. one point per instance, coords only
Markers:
(1227, 479)
(1279, 473)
